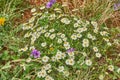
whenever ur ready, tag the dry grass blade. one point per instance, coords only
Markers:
(114, 20)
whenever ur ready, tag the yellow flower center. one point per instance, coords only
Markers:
(51, 48)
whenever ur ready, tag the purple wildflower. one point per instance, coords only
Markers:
(50, 3)
(35, 53)
(116, 6)
(70, 50)
(53, 1)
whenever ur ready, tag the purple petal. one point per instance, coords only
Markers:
(53, 1)
(70, 50)
(35, 53)
(48, 5)
(116, 6)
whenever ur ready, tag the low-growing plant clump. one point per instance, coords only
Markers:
(54, 45)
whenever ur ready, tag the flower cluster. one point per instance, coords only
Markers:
(64, 43)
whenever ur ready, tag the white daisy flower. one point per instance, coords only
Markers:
(43, 7)
(72, 57)
(43, 31)
(27, 26)
(95, 49)
(45, 59)
(31, 19)
(60, 68)
(33, 38)
(43, 44)
(76, 25)
(66, 73)
(62, 36)
(66, 43)
(32, 42)
(48, 78)
(24, 49)
(23, 66)
(59, 41)
(103, 33)
(116, 41)
(88, 62)
(109, 44)
(75, 18)
(70, 62)
(65, 20)
(51, 30)
(35, 14)
(101, 77)
(53, 58)
(74, 37)
(47, 34)
(39, 29)
(89, 36)
(27, 35)
(87, 22)
(111, 67)
(79, 21)
(59, 52)
(80, 30)
(79, 35)
(42, 74)
(49, 71)
(98, 55)
(118, 70)
(85, 43)
(107, 40)
(47, 66)
(33, 10)
(94, 23)
(52, 16)
(38, 34)
(84, 54)
(84, 29)
(93, 38)
(32, 47)
(58, 34)
(71, 54)
(64, 39)
(58, 56)
(67, 47)
(63, 55)
(28, 60)
(67, 61)
(46, 26)
(51, 44)
(57, 9)
(52, 36)
(95, 30)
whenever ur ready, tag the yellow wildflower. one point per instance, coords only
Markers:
(51, 48)
(2, 21)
